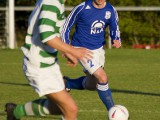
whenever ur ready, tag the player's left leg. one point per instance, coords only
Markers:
(91, 82)
(77, 83)
(84, 82)
(66, 103)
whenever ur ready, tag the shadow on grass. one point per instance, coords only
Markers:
(113, 90)
(21, 84)
(135, 92)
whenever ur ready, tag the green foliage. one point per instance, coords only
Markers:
(73, 2)
(135, 2)
(136, 27)
(141, 27)
(25, 2)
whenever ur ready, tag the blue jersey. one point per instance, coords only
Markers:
(90, 25)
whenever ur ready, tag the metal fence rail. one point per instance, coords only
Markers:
(69, 8)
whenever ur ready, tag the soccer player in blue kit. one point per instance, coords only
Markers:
(91, 18)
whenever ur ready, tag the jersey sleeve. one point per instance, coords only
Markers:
(50, 21)
(70, 22)
(114, 27)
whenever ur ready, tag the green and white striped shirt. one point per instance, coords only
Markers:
(45, 23)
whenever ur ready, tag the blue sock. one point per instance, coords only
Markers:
(75, 83)
(105, 95)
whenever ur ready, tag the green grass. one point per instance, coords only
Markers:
(134, 77)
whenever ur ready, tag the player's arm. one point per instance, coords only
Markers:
(114, 30)
(49, 34)
(79, 53)
(67, 27)
(69, 23)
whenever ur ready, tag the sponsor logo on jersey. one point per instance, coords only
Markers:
(88, 7)
(108, 15)
(97, 27)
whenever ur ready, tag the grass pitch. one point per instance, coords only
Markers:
(134, 78)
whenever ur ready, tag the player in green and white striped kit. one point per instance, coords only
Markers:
(41, 67)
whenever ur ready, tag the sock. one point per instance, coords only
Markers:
(76, 83)
(34, 108)
(105, 95)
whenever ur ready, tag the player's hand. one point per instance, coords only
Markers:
(83, 54)
(71, 63)
(71, 60)
(116, 43)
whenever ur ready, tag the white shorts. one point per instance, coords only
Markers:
(97, 61)
(44, 80)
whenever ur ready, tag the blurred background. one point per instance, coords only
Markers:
(139, 22)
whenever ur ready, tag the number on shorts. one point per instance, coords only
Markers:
(90, 62)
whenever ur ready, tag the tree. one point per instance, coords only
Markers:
(136, 27)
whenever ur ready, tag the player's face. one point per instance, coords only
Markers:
(99, 2)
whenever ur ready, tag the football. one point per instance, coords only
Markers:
(118, 112)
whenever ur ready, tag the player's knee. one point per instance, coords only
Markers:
(73, 110)
(70, 112)
(103, 79)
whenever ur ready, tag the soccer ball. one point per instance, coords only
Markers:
(118, 112)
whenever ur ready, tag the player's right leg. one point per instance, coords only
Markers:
(103, 88)
(95, 68)
(43, 107)
(39, 107)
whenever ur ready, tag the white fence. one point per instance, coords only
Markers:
(9, 20)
